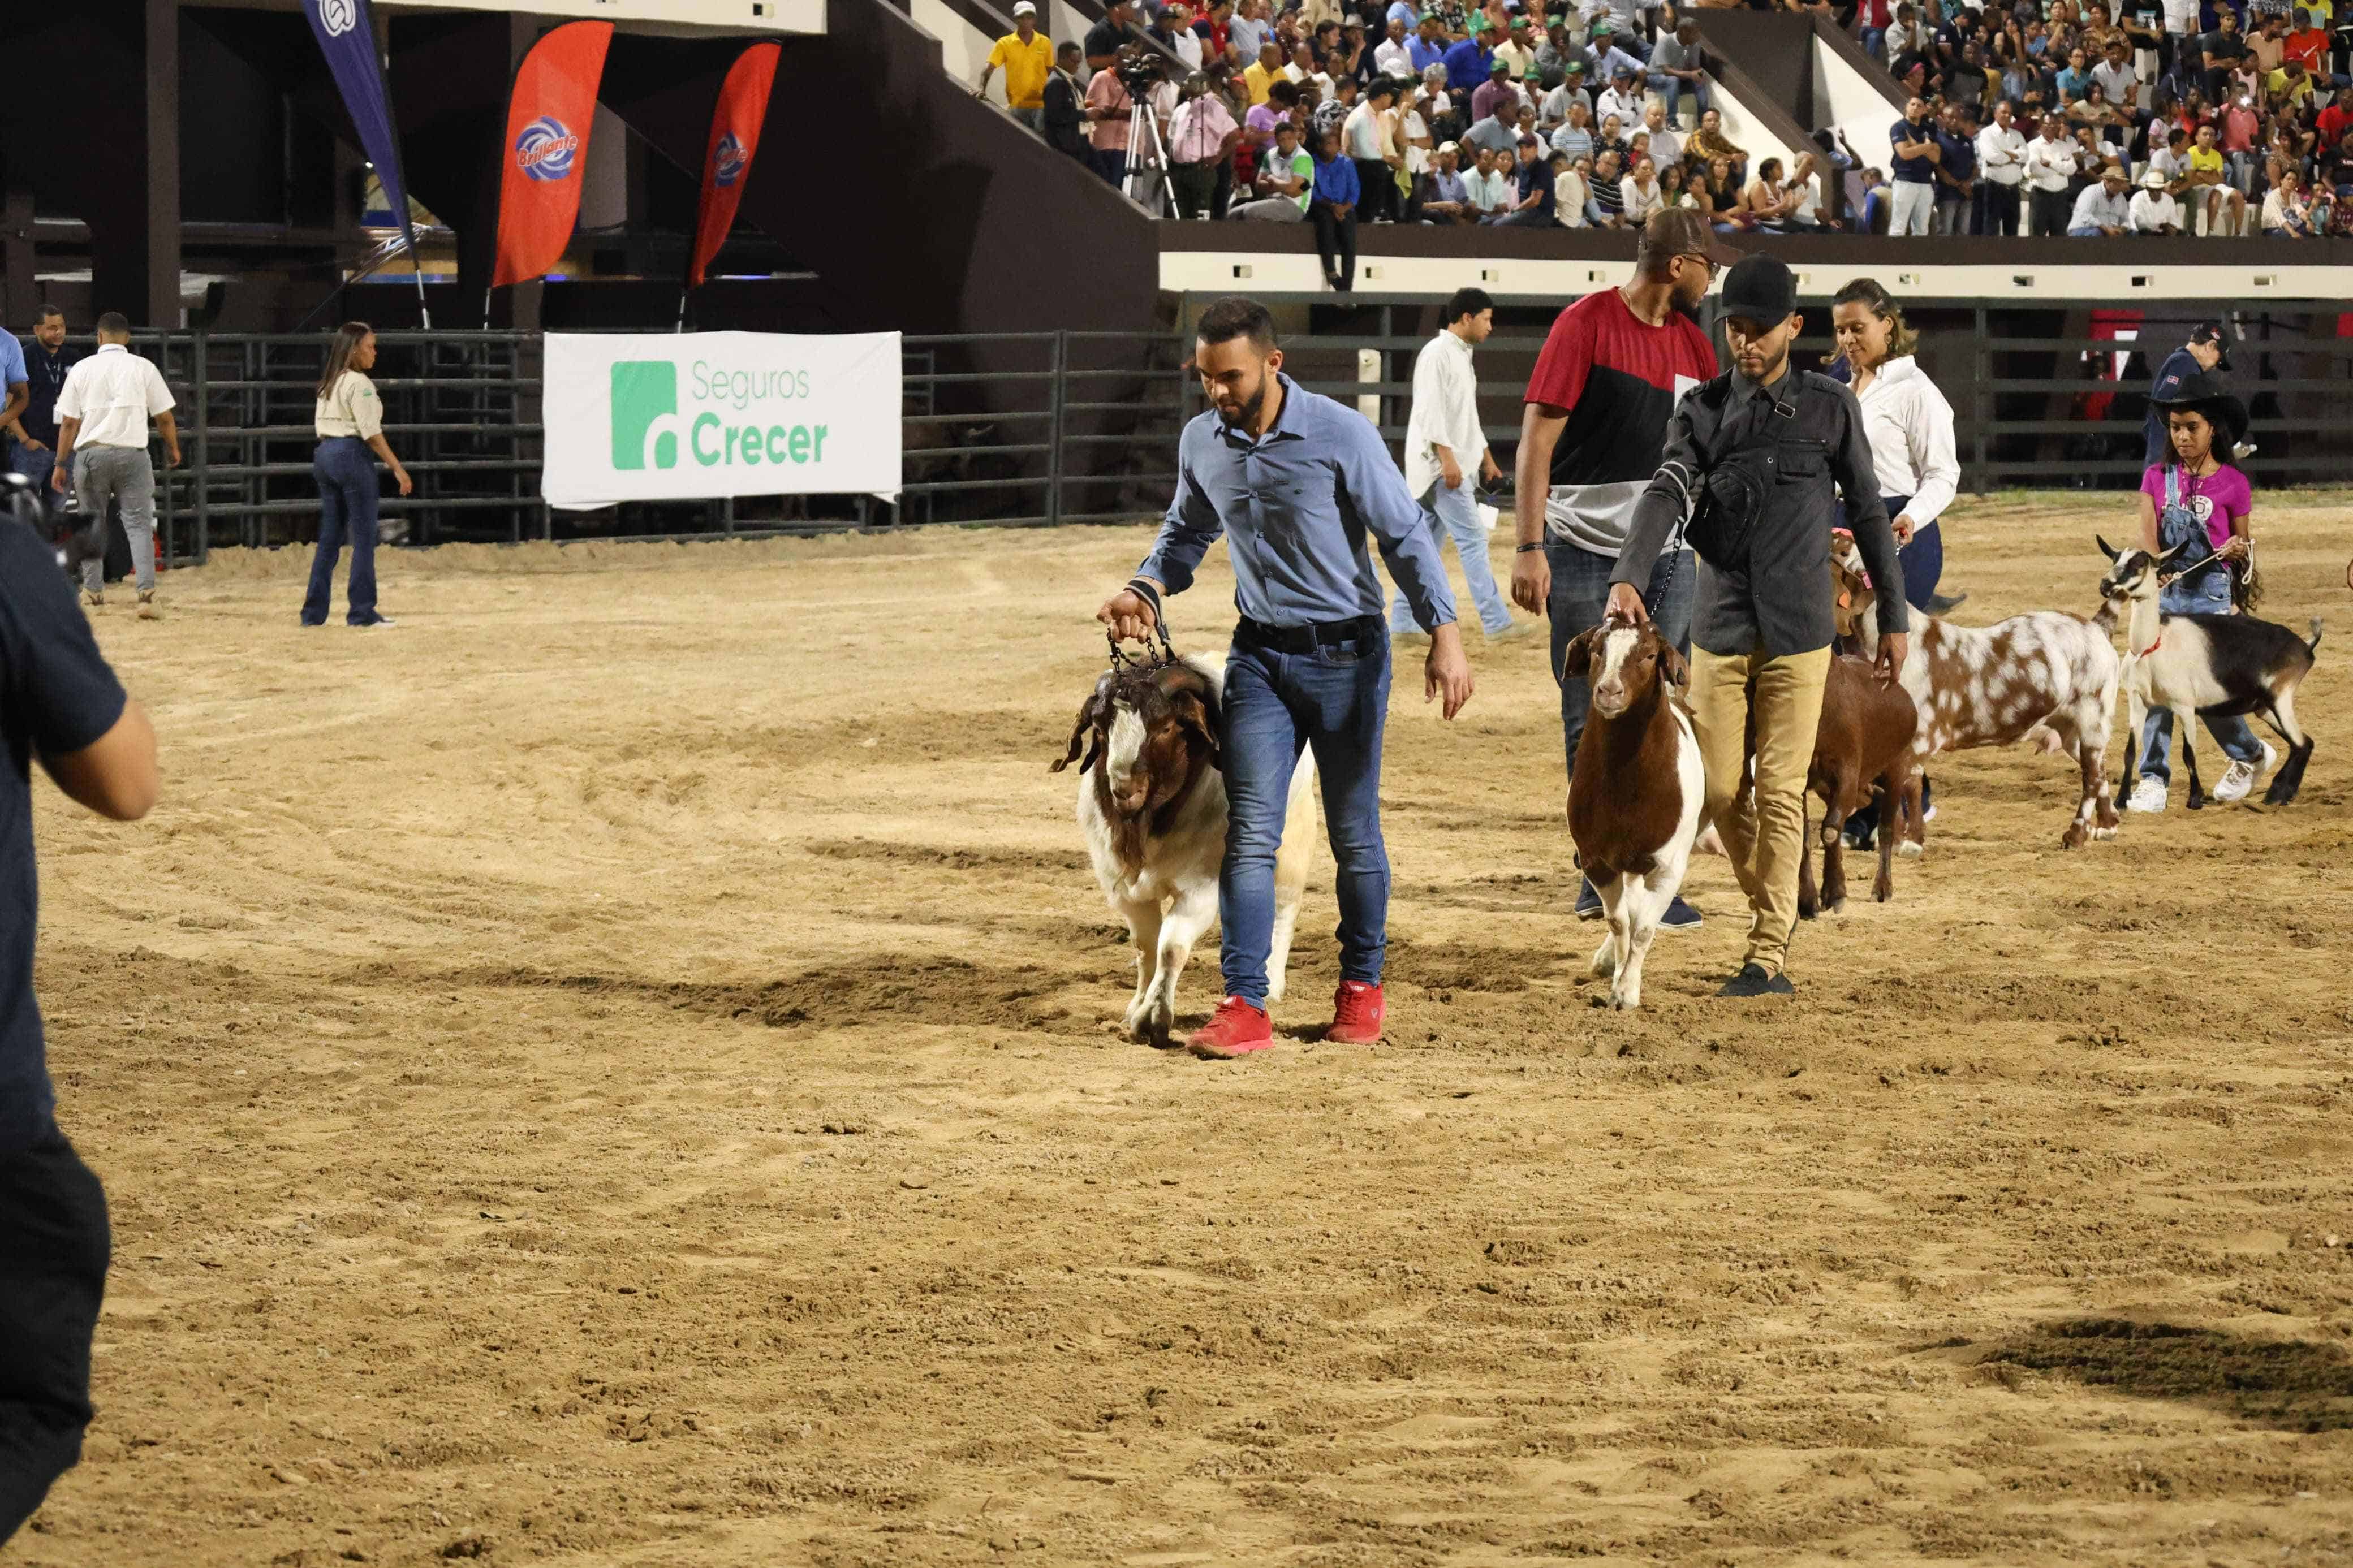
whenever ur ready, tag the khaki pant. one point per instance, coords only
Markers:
(1764, 839)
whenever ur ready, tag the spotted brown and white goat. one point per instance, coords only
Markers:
(1989, 685)
(2209, 666)
(1636, 793)
(1152, 804)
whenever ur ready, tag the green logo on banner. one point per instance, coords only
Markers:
(645, 394)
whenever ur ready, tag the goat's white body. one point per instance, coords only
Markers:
(1632, 906)
(1170, 902)
(2172, 664)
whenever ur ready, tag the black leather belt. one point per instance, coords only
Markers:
(1308, 638)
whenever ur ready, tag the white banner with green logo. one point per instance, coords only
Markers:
(695, 416)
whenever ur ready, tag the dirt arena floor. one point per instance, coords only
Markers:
(623, 1069)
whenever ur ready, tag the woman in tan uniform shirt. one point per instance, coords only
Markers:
(350, 422)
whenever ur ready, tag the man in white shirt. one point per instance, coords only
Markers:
(1391, 56)
(2154, 210)
(2101, 209)
(1491, 193)
(2117, 77)
(1622, 99)
(1666, 142)
(1443, 441)
(1186, 42)
(2050, 170)
(1364, 138)
(2002, 169)
(1571, 90)
(102, 414)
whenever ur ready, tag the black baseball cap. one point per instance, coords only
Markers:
(2213, 332)
(1761, 288)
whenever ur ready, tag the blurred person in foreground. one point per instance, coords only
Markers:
(59, 705)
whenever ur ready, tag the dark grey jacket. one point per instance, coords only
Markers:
(1781, 603)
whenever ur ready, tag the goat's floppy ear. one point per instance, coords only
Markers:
(1672, 668)
(1196, 710)
(2106, 548)
(1577, 659)
(1083, 734)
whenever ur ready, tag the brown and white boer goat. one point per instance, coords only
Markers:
(1989, 685)
(1152, 804)
(1862, 748)
(1636, 793)
(2210, 666)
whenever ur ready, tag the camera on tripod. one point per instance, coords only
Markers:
(1141, 68)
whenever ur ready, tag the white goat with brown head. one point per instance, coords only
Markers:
(1152, 804)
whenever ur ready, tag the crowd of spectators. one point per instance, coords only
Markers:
(2181, 116)
(2213, 116)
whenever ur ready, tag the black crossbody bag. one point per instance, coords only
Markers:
(1731, 491)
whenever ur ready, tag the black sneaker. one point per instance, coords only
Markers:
(1752, 981)
(1681, 916)
(1588, 903)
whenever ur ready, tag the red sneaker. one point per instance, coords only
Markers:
(1357, 1012)
(1236, 1030)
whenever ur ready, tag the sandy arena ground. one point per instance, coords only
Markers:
(623, 1069)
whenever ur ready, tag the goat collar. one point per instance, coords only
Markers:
(2151, 647)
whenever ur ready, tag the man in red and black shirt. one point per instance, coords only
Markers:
(1590, 440)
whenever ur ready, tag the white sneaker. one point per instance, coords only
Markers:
(2237, 780)
(2148, 796)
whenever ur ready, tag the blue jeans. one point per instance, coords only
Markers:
(34, 466)
(345, 470)
(2236, 737)
(1924, 558)
(1581, 591)
(1455, 514)
(1335, 701)
(1672, 90)
(1875, 43)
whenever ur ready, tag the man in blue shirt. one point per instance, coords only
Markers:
(2206, 350)
(60, 704)
(1913, 172)
(1331, 209)
(1295, 482)
(1957, 171)
(1467, 65)
(33, 433)
(14, 393)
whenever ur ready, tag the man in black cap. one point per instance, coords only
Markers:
(2206, 350)
(1762, 446)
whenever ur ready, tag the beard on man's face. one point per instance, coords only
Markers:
(1245, 412)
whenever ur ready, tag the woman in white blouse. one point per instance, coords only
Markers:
(1910, 428)
(349, 420)
(1909, 425)
(1641, 194)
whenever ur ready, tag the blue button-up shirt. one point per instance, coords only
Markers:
(1295, 505)
(12, 364)
(1335, 182)
(1468, 67)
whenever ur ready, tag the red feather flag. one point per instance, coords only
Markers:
(546, 147)
(727, 160)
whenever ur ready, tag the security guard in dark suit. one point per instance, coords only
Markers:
(1751, 457)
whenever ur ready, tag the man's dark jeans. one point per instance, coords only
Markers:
(1336, 701)
(1195, 185)
(54, 1248)
(1581, 591)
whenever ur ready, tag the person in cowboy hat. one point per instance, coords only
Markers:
(2196, 501)
(2154, 210)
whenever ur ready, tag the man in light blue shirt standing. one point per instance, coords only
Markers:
(1297, 482)
(16, 394)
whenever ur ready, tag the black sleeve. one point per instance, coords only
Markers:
(1866, 512)
(57, 686)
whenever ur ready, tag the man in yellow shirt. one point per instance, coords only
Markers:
(2226, 209)
(1262, 73)
(1026, 60)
